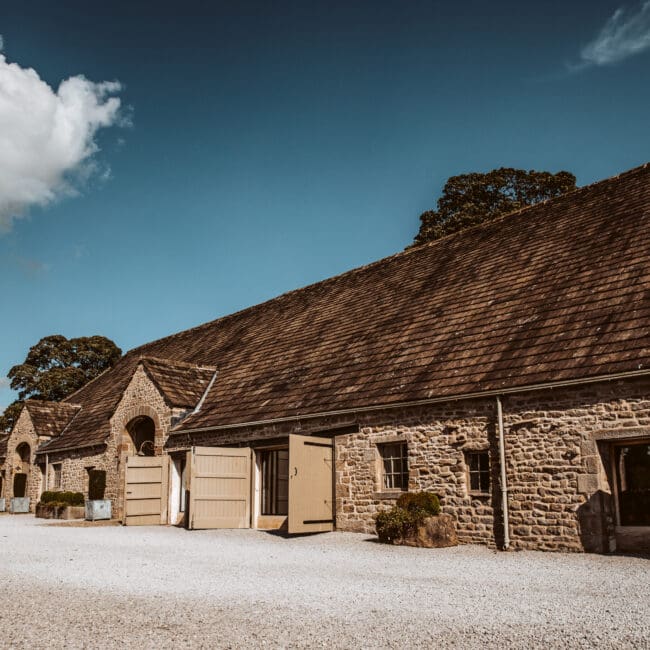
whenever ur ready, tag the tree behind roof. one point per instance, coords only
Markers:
(56, 367)
(470, 199)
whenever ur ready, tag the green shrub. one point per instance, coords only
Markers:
(416, 502)
(96, 484)
(411, 510)
(51, 497)
(393, 524)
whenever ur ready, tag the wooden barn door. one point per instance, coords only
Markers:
(146, 490)
(220, 487)
(311, 470)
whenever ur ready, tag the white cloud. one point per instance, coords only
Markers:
(623, 35)
(47, 138)
(4, 382)
(2, 43)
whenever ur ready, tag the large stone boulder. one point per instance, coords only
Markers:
(434, 532)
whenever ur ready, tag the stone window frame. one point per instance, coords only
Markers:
(57, 476)
(380, 445)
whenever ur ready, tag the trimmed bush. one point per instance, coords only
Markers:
(96, 484)
(51, 497)
(401, 520)
(416, 502)
(393, 524)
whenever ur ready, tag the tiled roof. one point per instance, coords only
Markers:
(557, 291)
(181, 384)
(50, 418)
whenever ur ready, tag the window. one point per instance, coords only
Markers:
(56, 478)
(275, 482)
(394, 465)
(478, 470)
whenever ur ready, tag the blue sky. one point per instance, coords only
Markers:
(259, 147)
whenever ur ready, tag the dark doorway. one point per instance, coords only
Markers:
(275, 481)
(143, 432)
(633, 478)
(20, 485)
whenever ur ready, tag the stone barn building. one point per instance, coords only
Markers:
(505, 368)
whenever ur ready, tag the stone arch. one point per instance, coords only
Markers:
(22, 455)
(141, 431)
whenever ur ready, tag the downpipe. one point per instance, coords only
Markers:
(504, 484)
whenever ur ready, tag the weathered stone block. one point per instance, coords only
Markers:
(435, 532)
(588, 483)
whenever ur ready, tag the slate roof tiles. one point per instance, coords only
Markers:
(50, 418)
(554, 292)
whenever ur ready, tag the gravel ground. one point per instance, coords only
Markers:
(160, 587)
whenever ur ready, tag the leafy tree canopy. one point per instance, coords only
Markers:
(56, 367)
(470, 199)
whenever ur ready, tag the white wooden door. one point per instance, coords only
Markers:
(145, 490)
(311, 471)
(220, 487)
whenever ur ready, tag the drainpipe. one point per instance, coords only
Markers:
(47, 470)
(504, 485)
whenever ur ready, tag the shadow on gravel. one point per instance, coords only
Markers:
(638, 556)
(285, 535)
(82, 523)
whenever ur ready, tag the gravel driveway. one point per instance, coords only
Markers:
(72, 587)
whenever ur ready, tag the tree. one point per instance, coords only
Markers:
(56, 367)
(470, 199)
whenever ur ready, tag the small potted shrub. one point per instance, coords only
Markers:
(97, 507)
(60, 505)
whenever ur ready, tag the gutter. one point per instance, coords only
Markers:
(56, 451)
(433, 400)
(504, 484)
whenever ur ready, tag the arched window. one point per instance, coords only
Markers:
(143, 432)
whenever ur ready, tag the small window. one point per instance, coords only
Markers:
(478, 470)
(56, 478)
(395, 466)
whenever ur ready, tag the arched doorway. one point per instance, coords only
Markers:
(142, 431)
(22, 460)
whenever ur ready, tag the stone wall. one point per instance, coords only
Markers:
(557, 445)
(24, 432)
(438, 438)
(75, 466)
(141, 398)
(557, 463)
(558, 472)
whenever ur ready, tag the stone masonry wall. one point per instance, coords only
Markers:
(557, 470)
(23, 432)
(141, 398)
(76, 464)
(438, 438)
(557, 458)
